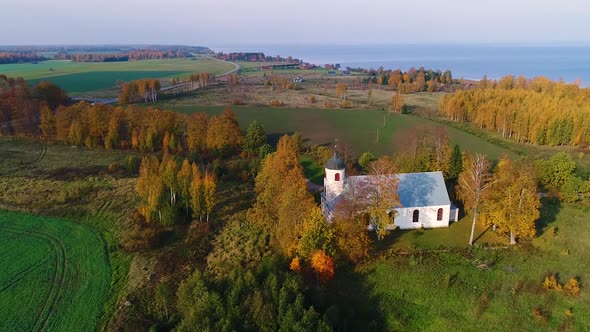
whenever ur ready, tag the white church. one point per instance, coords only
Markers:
(423, 196)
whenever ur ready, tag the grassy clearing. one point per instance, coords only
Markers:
(447, 291)
(356, 128)
(91, 76)
(73, 184)
(312, 170)
(56, 274)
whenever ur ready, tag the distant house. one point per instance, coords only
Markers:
(331, 73)
(346, 72)
(298, 80)
(306, 66)
(424, 201)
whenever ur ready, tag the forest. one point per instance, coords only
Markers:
(19, 57)
(537, 111)
(133, 55)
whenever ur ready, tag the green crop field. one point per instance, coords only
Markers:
(81, 77)
(55, 276)
(356, 128)
(92, 81)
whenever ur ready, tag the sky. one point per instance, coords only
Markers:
(217, 23)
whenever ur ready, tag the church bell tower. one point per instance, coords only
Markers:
(335, 177)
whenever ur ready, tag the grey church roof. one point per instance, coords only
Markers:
(335, 163)
(414, 189)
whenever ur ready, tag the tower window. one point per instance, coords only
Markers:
(416, 216)
(439, 214)
(337, 177)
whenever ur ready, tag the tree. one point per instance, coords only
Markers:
(557, 170)
(150, 188)
(571, 189)
(350, 226)
(365, 159)
(224, 131)
(255, 138)
(282, 199)
(184, 179)
(382, 195)
(397, 103)
(169, 171)
(50, 93)
(473, 182)
(512, 203)
(341, 90)
(322, 266)
(197, 193)
(456, 162)
(317, 234)
(47, 125)
(209, 190)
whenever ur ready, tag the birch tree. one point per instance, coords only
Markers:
(473, 182)
(184, 178)
(382, 195)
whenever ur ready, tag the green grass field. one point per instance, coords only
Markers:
(72, 184)
(82, 77)
(55, 276)
(447, 291)
(356, 128)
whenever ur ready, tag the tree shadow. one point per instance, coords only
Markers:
(273, 138)
(482, 234)
(550, 207)
(349, 303)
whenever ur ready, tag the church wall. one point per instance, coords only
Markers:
(427, 217)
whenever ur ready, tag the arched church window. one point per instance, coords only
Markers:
(416, 216)
(337, 177)
(439, 214)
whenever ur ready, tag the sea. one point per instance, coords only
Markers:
(470, 61)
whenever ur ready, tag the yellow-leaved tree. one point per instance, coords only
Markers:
(512, 203)
(282, 199)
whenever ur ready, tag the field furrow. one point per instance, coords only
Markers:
(51, 293)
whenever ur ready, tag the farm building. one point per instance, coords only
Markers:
(424, 200)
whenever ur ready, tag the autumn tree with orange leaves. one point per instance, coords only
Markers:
(322, 266)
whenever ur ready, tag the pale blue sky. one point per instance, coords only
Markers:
(224, 22)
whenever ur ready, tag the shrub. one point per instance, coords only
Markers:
(540, 315)
(551, 282)
(345, 104)
(140, 238)
(572, 288)
(319, 153)
(113, 167)
(295, 265)
(132, 164)
(329, 104)
(322, 266)
(236, 101)
(276, 103)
